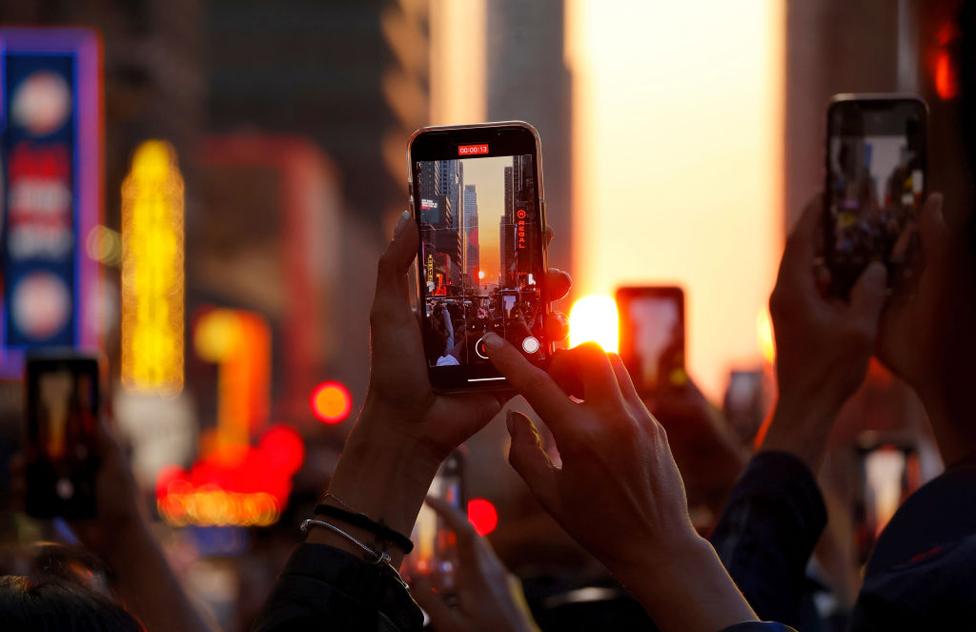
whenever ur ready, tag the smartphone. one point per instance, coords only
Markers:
(876, 176)
(434, 553)
(744, 405)
(890, 472)
(62, 404)
(477, 197)
(652, 336)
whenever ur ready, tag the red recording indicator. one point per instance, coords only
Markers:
(472, 150)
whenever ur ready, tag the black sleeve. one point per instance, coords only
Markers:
(324, 588)
(767, 532)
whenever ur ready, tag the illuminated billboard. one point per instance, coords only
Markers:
(51, 152)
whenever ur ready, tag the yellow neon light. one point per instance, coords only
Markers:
(152, 271)
(239, 342)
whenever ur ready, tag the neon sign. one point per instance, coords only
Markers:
(152, 271)
(50, 113)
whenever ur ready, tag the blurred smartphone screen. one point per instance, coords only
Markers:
(434, 543)
(876, 173)
(652, 336)
(62, 410)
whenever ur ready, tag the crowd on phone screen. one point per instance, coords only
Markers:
(622, 485)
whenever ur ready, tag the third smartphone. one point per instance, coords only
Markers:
(477, 198)
(63, 403)
(652, 336)
(876, 177)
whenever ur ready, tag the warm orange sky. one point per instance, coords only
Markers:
(487, 175)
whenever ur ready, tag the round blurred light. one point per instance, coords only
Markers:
(594, 319)
(482, 515)
(41, 305)
(282, 448)
(331, 402)
(217, 332)
(41, 103)
(481, 275)
(530, 345)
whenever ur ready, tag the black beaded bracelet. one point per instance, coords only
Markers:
(366, 523)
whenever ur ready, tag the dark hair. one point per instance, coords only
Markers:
(59, 605)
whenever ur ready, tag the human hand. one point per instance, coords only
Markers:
(406, 429)
(906, 342)
(488, 596)
(119, 513)
(823, 344)
(400, 392)
(618, 491)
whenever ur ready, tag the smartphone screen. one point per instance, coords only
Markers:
(876, 173)
(477, 198)
(62, 410)
(434, 542)
(652, 336)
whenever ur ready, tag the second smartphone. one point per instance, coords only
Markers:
(477, 197)
(652, 336)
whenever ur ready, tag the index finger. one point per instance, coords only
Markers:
(538, 388)
(801, 247)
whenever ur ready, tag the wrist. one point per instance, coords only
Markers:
(800, 426)
(383, 474)
(687, 588)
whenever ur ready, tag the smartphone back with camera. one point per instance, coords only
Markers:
(477, 198)
(652, 336)
(62, 406)
(875, 185)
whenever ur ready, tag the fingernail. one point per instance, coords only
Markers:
(493, 341)
(401, 223)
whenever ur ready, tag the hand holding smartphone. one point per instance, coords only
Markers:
(63, 404)
(477, 198)
(875, 185)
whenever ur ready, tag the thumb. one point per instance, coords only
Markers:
(530, 460)
(868, 295)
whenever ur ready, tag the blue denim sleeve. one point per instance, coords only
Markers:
(773, 519)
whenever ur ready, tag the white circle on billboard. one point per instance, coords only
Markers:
(41, 103)
(41, 305)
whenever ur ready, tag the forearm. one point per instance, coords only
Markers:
(689, 590)
(147, 585)
(382, 476)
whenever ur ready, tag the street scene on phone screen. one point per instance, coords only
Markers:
(481, 257)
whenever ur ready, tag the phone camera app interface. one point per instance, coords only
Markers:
(481, 257)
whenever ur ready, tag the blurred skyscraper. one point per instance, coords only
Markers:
(351, 74)
(528, 80)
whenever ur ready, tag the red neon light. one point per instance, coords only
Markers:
(331, 402)
(482, 515)
(473, 150)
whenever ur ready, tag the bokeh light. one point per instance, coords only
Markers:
(482, 515)
(331, 402)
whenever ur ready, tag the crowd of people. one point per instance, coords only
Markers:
(615, 487)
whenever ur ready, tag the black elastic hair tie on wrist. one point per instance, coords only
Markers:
(366, 523)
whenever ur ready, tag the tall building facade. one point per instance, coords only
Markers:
(526, 215)
(506, 234)
(472, 255)
(441, 223)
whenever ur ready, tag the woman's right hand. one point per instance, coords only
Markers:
(618, 491)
